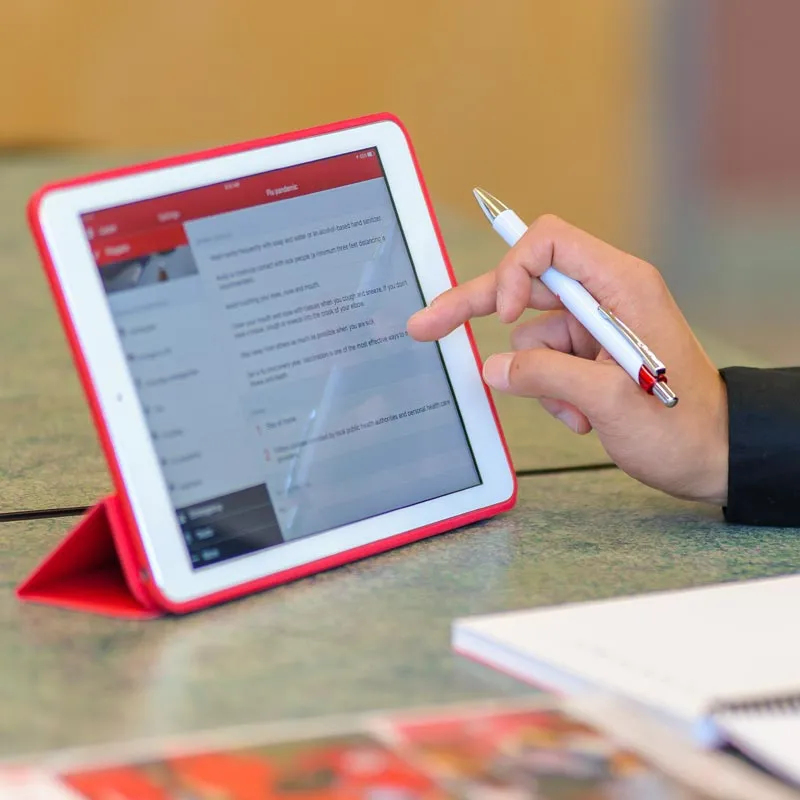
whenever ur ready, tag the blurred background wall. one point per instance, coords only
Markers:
(534, 99)
(669, 127)
(725, 199)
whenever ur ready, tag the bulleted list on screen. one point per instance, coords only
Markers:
(229, 526)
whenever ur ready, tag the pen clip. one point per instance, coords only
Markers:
(655, 367)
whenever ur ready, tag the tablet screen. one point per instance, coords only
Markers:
(263, 320)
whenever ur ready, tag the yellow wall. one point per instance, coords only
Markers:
(534, 100)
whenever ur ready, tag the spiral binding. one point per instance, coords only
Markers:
(786, 704)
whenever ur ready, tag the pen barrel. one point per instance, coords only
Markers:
(577, 301)
(585, 309)
(510, 227)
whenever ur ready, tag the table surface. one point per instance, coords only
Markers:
(70, 679)
(74, 679)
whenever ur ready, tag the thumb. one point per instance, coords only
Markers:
(597, 388)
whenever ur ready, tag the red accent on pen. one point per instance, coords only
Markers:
(647, 380)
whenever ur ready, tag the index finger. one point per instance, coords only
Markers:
(603, 270)
(475, 298)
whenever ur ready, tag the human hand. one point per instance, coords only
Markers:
(682, 450)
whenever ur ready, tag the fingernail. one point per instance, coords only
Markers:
(496, 369)
(569, 418)
(434, 301)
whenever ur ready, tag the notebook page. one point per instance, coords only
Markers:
(23, 784)
(771, 739)
(682, 652)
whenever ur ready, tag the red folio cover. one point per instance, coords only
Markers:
(85, 571)
(101, 565)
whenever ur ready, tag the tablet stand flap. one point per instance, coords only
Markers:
(84, 572)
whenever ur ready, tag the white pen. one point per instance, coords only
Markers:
(619, 341)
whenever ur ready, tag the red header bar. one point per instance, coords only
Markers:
(143, 243)
(149, 226)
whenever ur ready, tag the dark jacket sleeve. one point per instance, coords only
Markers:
(764, 434)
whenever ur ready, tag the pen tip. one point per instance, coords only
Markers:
(490, 205)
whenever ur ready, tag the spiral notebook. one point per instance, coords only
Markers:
(720, 662)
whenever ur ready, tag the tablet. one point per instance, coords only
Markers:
(239, 320)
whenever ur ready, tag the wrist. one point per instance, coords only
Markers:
(718, 449)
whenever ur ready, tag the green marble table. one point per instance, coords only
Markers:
(70, 679)
(49, 456)
(370, 635)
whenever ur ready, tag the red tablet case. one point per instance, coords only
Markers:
(101, 566)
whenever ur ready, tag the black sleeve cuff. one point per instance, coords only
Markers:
(764, 436)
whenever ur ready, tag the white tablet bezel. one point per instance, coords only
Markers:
(59, 215)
